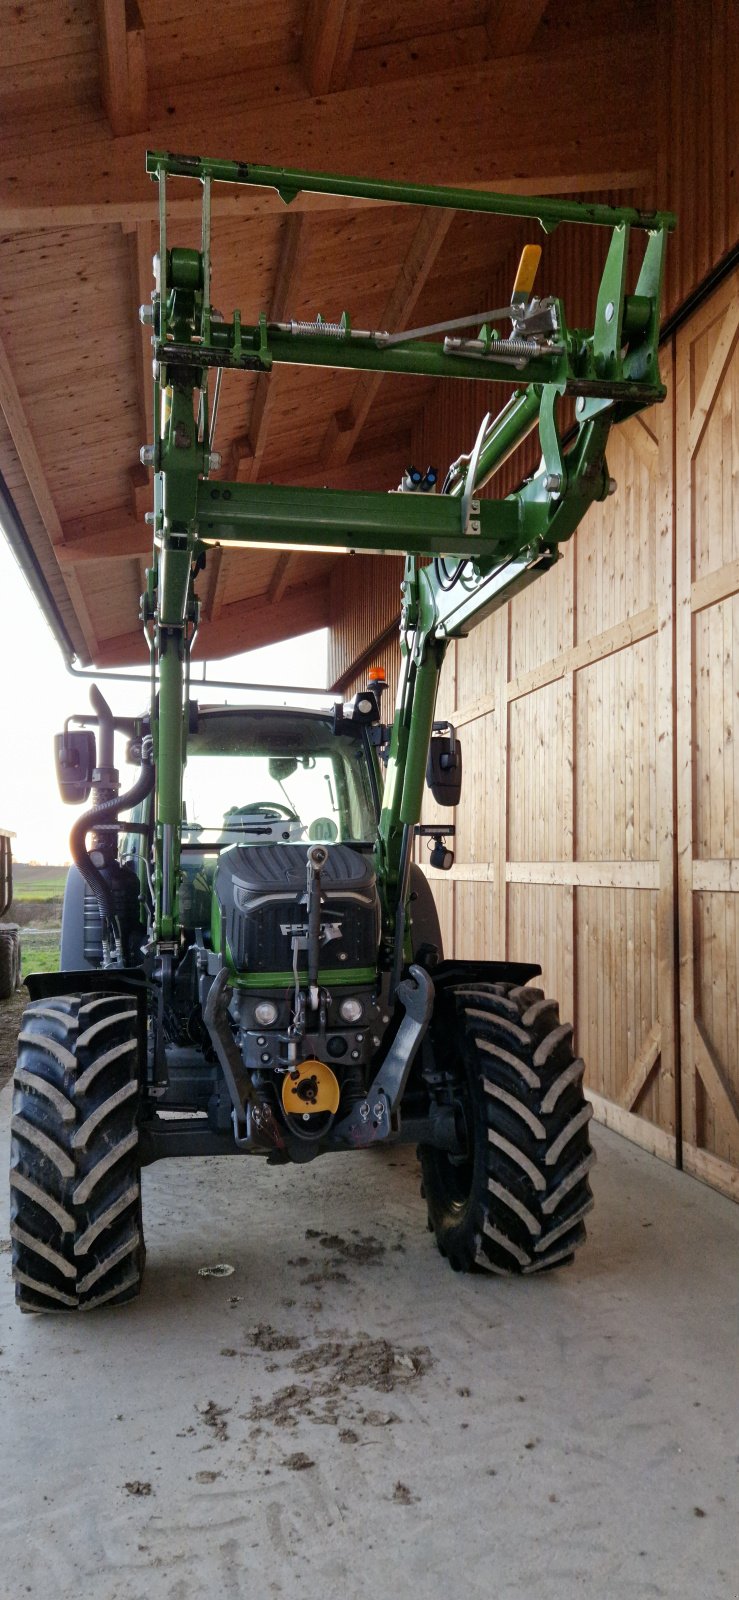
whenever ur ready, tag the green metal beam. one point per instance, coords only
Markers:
(290, 182)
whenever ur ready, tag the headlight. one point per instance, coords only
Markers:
(350, 1010)
(265, 1013)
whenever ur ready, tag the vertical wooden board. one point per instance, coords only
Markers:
(476, 812)
(617, 994)
(538, 775)
(615, 543)
(707, 363)
(476, 663)
(616, 756)
(716, 924)
(473, 921)
(539, 622)
(716, 731)
(537, 914)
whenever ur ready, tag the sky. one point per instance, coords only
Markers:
(37, 693)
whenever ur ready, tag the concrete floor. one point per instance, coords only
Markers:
(571, 1435)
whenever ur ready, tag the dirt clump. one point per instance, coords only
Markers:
(365, 1363)
(138, 1487)
(402, 1495)
(214, 1417)
(265, 1337)
(363, 1250)
(299, 1462)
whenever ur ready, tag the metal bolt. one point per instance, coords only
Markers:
(355, 1055)
(151, 518)
(265, 1056)
(146, 455)
(146, 315)
(610, 309)
(553, 483)
(261, 1039)
(378, 1110)
(214, 460)
(612, 486)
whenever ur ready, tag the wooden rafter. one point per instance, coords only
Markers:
(123, 83)
(140, 264)
(345, 427)
(329, 35)
(28, 456)
(293, 248)
(278, 581)
(511, 25)
(243, 625)
(69, 181)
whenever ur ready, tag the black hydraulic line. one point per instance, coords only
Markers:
(86, 823)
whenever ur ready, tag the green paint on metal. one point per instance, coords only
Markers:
(333, 978)
(289, 182)
(483, 551)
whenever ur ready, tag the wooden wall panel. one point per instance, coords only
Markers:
(708, 734)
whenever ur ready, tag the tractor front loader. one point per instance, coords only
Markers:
(247, 941)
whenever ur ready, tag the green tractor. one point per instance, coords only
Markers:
(251, 959)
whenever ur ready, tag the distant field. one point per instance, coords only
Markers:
(38, 883)
(39, 951)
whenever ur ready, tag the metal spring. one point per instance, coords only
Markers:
(332, 330)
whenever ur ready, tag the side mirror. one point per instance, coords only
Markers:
(444, 765)
(76, 759)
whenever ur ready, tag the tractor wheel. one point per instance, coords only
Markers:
(514, 1202)
(74, 1168)
(10, 959)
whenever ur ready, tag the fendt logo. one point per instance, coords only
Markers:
(299, 930)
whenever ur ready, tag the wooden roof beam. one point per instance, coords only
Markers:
(123, 82)
(293, 250)
(243, 625)
(71, 181)
(511, 25)
(345, 427)
(329, 36)
(30, 461)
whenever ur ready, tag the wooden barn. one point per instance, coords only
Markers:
(598, 710)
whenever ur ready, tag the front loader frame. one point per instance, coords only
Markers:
(496, 547)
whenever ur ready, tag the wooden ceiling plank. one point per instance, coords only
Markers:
(28, 456)
(279, 579)
(240, 627)
(329, 36)
(142, 280)
(511, 25)
(609, 130)
(293, 249)
(123, 84)
(345, 427)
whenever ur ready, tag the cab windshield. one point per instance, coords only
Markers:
(254, 775)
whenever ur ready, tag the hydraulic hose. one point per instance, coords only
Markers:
(103, 810)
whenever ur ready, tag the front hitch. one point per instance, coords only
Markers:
(370, 1120)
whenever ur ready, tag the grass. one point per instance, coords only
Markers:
(40, 951)
(38, 883)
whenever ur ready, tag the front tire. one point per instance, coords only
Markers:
(514, 1203)
(75, 1187)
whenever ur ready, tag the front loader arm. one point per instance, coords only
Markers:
(482, 551)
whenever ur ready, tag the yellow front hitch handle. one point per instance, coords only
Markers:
(528, 267)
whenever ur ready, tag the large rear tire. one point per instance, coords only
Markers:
(75, 1185)
(10, 960)
(514, 1203)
